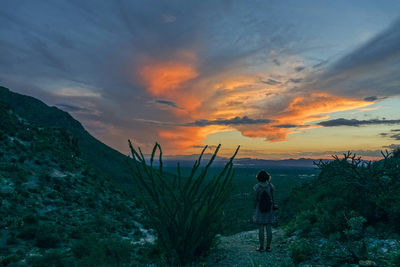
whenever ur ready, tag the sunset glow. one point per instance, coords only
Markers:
(292, 80)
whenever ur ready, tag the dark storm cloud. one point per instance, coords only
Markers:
(356, 123)
(167, 102)
(299, 68)
(235, 121)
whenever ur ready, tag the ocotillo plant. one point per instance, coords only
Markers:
(184, 211)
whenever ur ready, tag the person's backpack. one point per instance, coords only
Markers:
(265, 203)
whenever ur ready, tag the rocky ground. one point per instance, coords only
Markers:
(240, 250)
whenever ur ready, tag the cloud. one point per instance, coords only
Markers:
(162, 78)
(293, 80)
(393, 134)
(119, 58)
(299, 68)
(371, 98)
(395, 137)
(72, 108)
(235, 121)
(371, 67)
(381, 49)
(169, 18)
(316, 106)
(271, 82)
(392, 146)
(167, 102)
(277, 62)
(286, 126)
(298, 112)
(355, 122)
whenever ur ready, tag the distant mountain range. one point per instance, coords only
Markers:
(187, 160)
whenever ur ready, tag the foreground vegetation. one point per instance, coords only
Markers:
(349, 214)
(186, 212)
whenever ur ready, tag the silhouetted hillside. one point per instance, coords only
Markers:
(100, 156)
(55, 209)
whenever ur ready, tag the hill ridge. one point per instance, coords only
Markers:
(93, 151)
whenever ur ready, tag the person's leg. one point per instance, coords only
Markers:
(269, 235)
(261, 235)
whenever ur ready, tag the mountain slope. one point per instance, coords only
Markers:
(54, 209)
(100, 156)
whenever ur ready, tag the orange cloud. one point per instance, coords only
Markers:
(272, 134)
(302, 110)
(228, 95)
(305, 109)
(163, 78)
(179, 139)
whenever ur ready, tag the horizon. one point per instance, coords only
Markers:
(284, 80)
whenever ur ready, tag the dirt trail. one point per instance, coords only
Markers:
(240, 250)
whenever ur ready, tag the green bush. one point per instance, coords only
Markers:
(349, 200)
(301, 250)
(395, 260)
(27, 233)
(345, 185)
(46, 239)
(52, 258)
(185, 212)
(90, 250)
(8, 260)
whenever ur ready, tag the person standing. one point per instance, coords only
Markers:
(264, 208)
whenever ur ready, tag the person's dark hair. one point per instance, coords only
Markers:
(263, 176)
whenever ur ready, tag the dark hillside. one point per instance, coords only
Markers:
(55, 209)
(100, 156)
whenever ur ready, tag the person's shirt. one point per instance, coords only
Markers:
(261, 185)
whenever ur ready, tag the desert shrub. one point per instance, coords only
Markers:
(301, 250)
(52, 258)
(345, 185)
(349, 197)
(10, 259)
(184, 211)
(27, 233)
(30, 219)
(47, 239)
(395, 259)
(90, 250)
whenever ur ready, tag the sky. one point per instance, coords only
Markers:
(283, 79)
